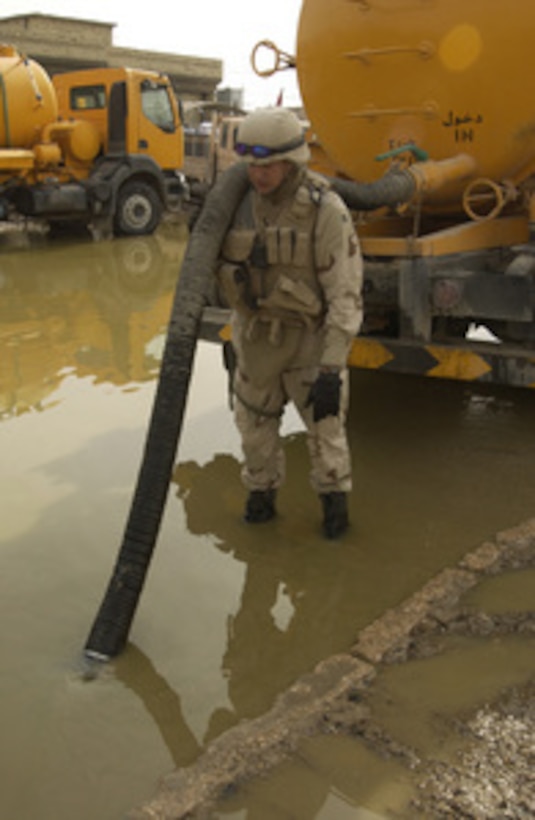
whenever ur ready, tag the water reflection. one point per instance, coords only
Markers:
(298, 597)
(138, 673)
(86, 309)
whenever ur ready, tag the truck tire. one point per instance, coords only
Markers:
(139, 209)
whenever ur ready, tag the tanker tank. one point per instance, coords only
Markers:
(27, 100)
(446, 77)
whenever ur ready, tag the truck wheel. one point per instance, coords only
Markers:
(139, 210)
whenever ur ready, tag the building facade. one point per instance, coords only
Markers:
(64, 44)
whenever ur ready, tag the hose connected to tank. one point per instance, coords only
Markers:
(396, 187)
(399, 185)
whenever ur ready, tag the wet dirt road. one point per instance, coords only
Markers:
(229, 617)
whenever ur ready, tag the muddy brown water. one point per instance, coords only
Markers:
(230, 615)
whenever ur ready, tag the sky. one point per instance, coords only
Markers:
(223, 29)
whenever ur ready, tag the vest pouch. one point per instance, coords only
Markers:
(238, 244)
(234, 285)
(286, 243)
(272, 245)
(286, 246)
(302, 249)
(296, 296)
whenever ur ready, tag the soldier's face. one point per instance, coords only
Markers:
(266, 178)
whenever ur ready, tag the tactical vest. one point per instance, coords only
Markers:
(269, 269)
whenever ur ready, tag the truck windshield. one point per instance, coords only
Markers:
(156, 105)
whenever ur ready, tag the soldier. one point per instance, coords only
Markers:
(291, 270)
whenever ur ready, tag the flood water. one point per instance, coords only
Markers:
(230, 615)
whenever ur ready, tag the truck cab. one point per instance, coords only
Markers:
(141, 157)
(134, 111)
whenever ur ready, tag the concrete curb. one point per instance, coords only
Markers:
(310, 706)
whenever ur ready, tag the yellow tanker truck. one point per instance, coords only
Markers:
(101, 148)
(425, 106)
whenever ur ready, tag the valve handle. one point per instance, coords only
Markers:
(418, 153)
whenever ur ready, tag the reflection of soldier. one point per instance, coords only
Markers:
(291, 610)
(218, 481)
(292, 272)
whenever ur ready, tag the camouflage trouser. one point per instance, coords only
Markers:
(258, 411)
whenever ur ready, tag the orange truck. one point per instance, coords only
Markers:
(101, 148)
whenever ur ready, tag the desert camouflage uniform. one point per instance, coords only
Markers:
(292, 272)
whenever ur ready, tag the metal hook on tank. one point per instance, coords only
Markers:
(281, 59)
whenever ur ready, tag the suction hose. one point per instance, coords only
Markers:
(391, 190)
(400, 184)
(110, 629)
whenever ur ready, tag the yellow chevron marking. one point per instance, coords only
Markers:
(453, 363)
(370, 354)
(457, 364)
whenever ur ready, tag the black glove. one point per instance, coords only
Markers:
(230, 363)
(324, 395)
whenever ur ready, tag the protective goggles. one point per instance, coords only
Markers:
(263, 152)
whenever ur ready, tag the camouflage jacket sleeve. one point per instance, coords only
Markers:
(339, 270)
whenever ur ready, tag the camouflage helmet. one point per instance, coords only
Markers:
(269, 135)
